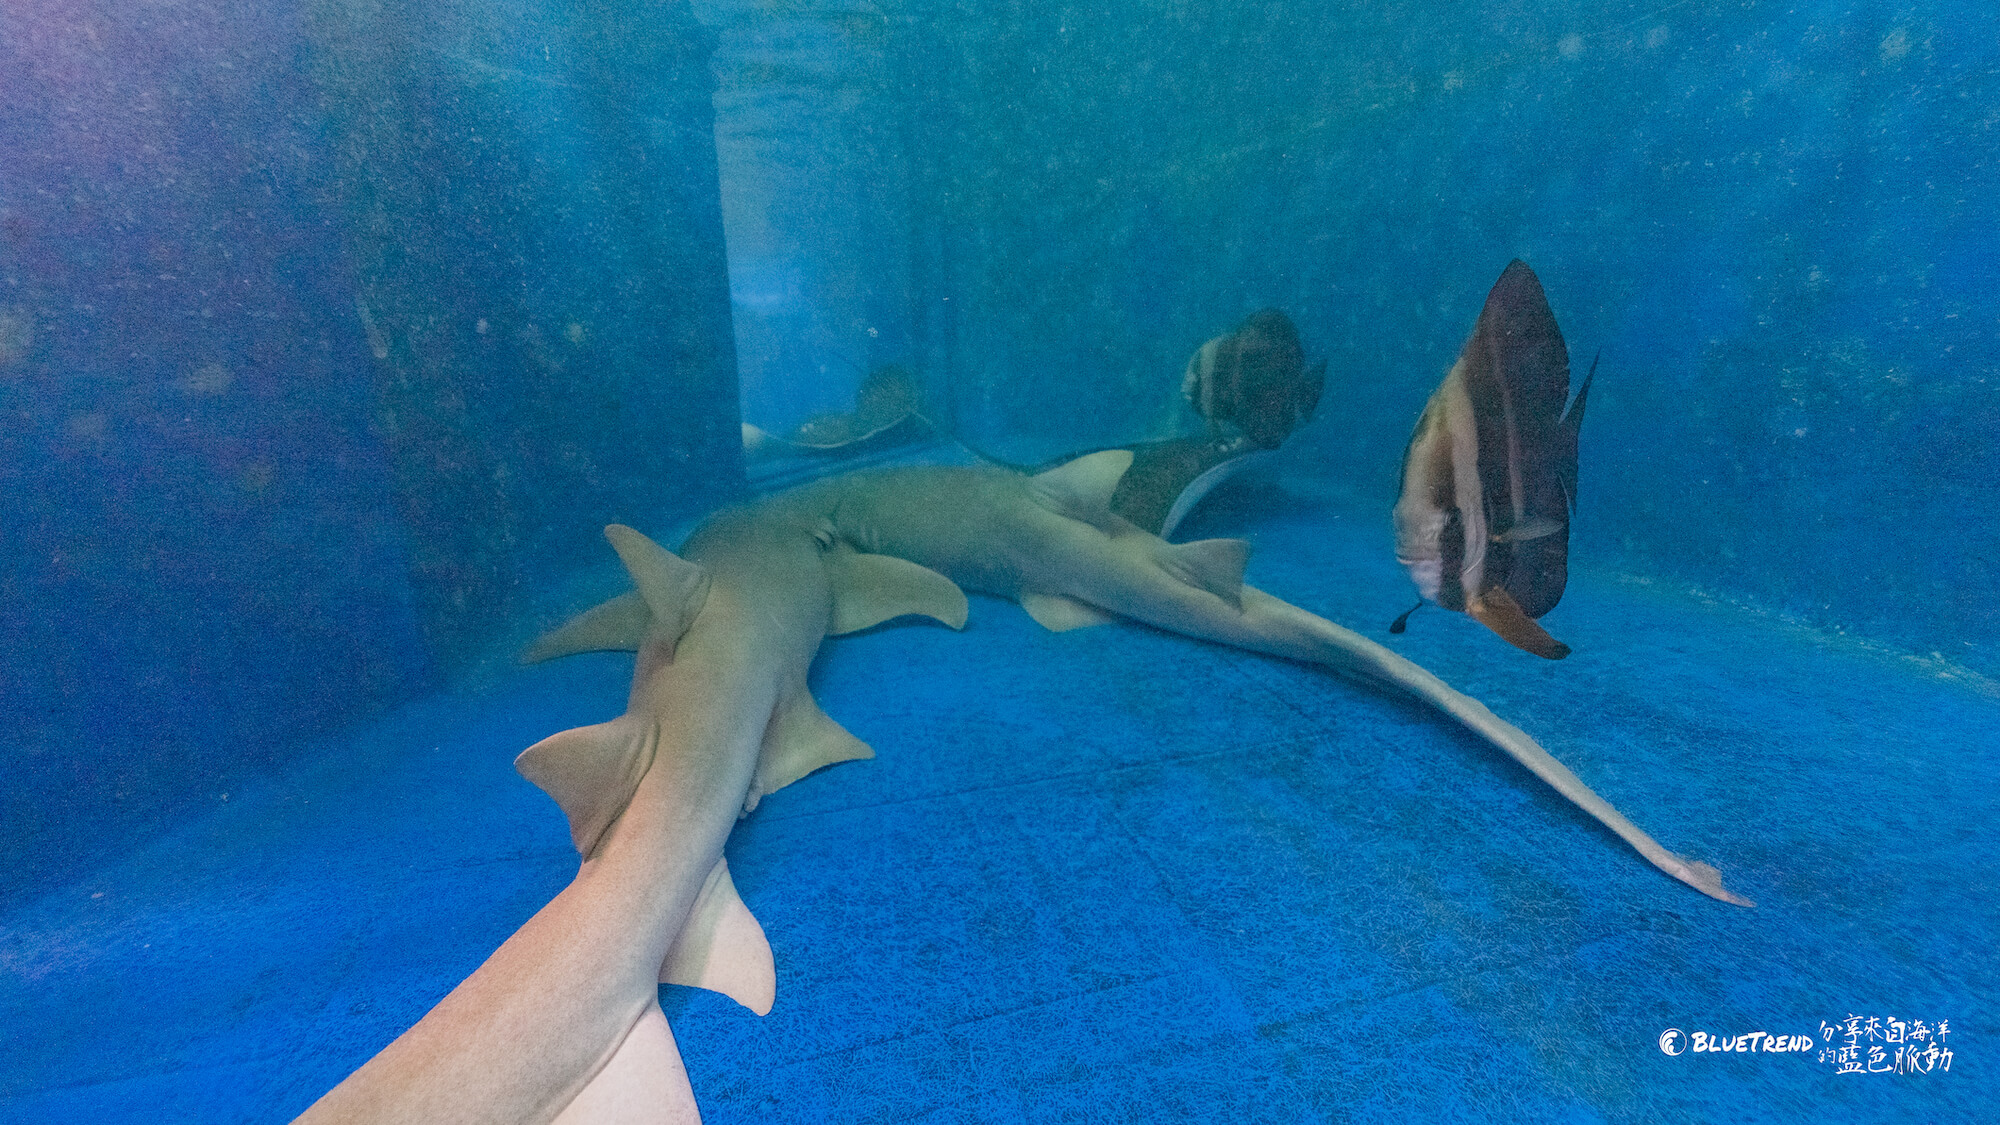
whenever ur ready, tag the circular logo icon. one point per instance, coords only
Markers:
(1671, 1041)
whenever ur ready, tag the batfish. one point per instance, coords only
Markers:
(1489, 479)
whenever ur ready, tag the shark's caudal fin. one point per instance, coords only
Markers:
(617, 625)
(644, 1083)
(800, 739)
(723, 948)
(870, 589)
(1082, 489)
(591, 772)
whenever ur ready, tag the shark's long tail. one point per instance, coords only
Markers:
(1290, 631)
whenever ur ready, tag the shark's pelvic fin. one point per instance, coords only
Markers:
(591, 772)
(871, 589)
(1497, 610)
(723, 948)
(1059, 613)
(643, 1083)
(800, 739)
(1082, 489)
(618, 625)
(673, 588)
(1215, 565)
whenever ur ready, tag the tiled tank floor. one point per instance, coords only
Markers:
(1114, 875)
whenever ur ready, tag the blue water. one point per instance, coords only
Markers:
(332, 334)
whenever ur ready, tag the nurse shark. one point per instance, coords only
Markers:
(563, 1022)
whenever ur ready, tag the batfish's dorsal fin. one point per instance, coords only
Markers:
(800, 739)
(1497, 610)
(1082, 489)
(1059, 613)
(591, 772)
(673, 588)
(871, 589)
(618, 625)
(723, 948)
(645, 1081)
(1215, 565)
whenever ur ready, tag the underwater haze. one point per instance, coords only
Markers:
(333, 333)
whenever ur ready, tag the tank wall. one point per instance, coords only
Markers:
(261, 470)
(1780, 223)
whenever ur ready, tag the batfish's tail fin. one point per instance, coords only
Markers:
(592, 772)
(1497, 610)
(618, 625)
(643, 1083)
(1570, 432)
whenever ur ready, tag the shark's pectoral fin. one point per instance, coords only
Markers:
(1497, 610)
(618, 625)
(723, 948)
(673, 588)
(800, 739)
(871, 589)
(1059, 613)
(591, 772)
(1215, 565)
(643, 1082)
(1082, 489)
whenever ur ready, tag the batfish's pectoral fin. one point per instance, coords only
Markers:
(1082, 489)
(722, 948)
(800, 739)
(618, 625)
(592, 772)
(643, 1083)
(871, 589)
(1059, 613)
(673, 588)
(1497, 610)
(1215, 565)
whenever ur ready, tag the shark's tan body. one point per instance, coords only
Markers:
(564, 1018)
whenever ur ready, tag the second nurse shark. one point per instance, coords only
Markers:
(563, 1022)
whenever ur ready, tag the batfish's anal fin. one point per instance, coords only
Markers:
(591, 772)
(723, 948)
(1082, 489)
(1215, 565)
(871, 589)
(618, 625)
(800, 739)
(1497, 610)
(673, 588)
(643, 1083)
(1059, 613)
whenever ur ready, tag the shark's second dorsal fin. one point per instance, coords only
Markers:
(645, 1081)
(871, 589)
(591, 772)
(1081, 489)
(1059, 613)
(723, 948)
(800, 739)
(1215, 565)
(673, 588)
(618, 625)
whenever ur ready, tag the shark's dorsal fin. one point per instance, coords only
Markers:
(673, 588)
(1215, 565)
(871, 589)
(723, 948)
(1059, 613)
(645, 1081)
(1081, 489)
(591, 772)
(618, 625)
(800, 739)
